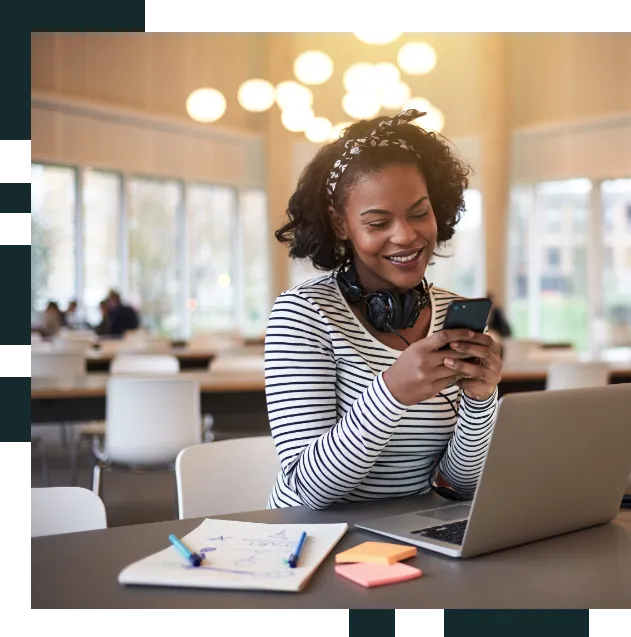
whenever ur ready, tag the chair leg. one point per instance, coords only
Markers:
(45, 474)
(64, 437)
(75, 452)
(208, 433)
(97, 480)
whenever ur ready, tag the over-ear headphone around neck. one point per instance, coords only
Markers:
(383, 309)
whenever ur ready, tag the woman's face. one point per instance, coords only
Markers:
(391, 224)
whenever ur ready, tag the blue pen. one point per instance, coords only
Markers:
(293, 558)
(193, 558)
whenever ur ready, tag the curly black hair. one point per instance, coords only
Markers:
(308, 230)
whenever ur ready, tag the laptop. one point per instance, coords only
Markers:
(558, 461)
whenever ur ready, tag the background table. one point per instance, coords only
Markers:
(235, 400)
(237, 396)
(585, 569)
(189, 358)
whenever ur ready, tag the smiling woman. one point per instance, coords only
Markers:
(363, 402)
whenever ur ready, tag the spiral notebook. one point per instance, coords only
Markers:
(239, 555)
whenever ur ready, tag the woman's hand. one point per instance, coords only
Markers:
(420, 371)
(479, 378)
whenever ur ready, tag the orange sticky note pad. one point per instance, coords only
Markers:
(376, 553)
(369, 575)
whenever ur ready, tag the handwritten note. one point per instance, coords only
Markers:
(239, 555)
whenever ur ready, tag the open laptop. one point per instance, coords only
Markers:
(558, 461)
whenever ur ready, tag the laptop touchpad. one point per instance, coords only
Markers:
(448, 513)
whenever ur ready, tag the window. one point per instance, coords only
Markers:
(256, 270)
(212, 260)
(562, 302)
(554, 217)
(462, 269)
(101, 239)
(154, 231)
(53, 236)
(553, 258)
(616, 205)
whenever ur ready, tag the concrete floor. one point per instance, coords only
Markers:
(130, 498)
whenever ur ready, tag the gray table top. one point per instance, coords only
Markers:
(590, 568)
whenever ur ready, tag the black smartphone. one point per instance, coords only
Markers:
(471, 314)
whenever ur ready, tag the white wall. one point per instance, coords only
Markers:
(596, 148)
(79, 132)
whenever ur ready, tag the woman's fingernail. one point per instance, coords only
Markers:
(455, 345)
(450, 362)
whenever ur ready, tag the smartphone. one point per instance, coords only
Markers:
(471, 314)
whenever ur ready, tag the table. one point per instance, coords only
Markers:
(590, 568)
(236, 400)
(97, 361)
(240, 394)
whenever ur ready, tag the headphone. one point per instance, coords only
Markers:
(384, 310)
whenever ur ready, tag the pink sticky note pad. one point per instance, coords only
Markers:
(369, 575)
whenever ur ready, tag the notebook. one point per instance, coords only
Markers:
(239, 555)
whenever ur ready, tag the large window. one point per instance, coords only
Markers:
(154, 231)
(256, 271)
(461, 269)
(212, 261)
(190, 257)
(53, 236)
(554, 254)
(101, 239)
(616, 208)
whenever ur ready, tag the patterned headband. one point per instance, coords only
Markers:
(382, 135)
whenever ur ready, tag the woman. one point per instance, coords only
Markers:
(363, 404)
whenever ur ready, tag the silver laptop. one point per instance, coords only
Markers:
(558, 461)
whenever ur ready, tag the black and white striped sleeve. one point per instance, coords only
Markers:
(462, 464)
(322, 458)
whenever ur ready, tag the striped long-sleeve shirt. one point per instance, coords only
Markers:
(339, 432)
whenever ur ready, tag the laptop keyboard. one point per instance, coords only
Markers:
(452, 532)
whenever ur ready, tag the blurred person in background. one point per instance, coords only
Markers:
(52, 320)
(121, 317)
(103, 328)
(498, 322)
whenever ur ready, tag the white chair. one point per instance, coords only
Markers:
(58, 365)
(147, 364)
(224, 477)
(217, 341)
(148, 422)
(144, 364)
(518, 350)
(65, 510)
(563, 375)
(228, 363)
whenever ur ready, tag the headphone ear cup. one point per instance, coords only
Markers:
(381, 309)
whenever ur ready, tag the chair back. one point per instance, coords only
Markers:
(59, 364)
(149, 420)
(224, 477)
(65, 510)
(562, 375)
(227, 363)
(518, 350)
(144, 364)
